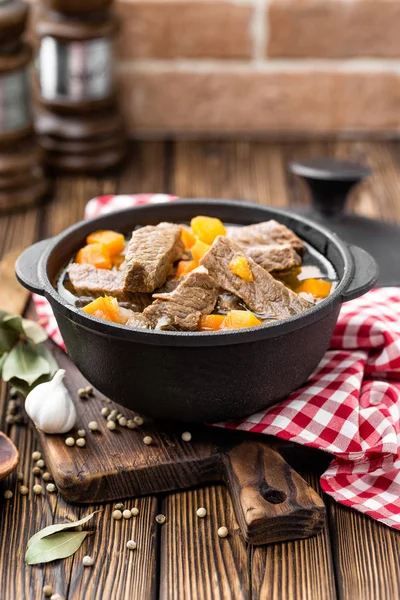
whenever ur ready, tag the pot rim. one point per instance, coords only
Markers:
(180, 338)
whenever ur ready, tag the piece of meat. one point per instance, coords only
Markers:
(195, 295)
(138, 321)
(275, 257)
(265, 295)
(89, 281)
(264, 234)
(150, 255)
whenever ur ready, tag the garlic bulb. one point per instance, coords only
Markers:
(50, 406)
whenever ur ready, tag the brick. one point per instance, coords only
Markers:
(245, 101)
(185, 29)
(333, 28)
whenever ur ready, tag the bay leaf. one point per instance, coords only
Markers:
(8, 338)
(14, 322)
(53, 547)
(48, 355)
(21, 386)
(51, 529)
(25, 363)
(34, 331)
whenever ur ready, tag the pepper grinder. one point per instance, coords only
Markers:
(22, 181)
(78, 122)
(330, 181)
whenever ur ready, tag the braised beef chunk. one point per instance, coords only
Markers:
(264, 234)
(139, 321)
(150, 255)
(89, 281)
(275, 257)
(181, 309)
(264, 295)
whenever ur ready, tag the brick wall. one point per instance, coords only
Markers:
(260, 67)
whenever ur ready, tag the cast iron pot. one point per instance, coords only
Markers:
(197, 376)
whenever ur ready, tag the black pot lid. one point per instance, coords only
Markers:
(330, 180)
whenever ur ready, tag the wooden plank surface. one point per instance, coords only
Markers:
(355, 558)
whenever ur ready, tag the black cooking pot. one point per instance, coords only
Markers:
(197, 376)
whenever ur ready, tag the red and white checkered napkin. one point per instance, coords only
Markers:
(350, 406)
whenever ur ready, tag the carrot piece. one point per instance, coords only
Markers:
(319, 288)
(184, 267)
(187, 238)
(114, 242)
(105, 307)
(207, 228)
(240, 266)
(240, 319)
(199, 250)
(211, 322)
(94, 254)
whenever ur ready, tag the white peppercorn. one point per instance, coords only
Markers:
(36, 471)
(122, 421)
(131, 545)
(201, 512)
(46, 476)
(223, 532)
(36, 455)
(131, 424)
(134, 511)
(81, 442)
(127, 514)
(87, 561)
(8, 494)
(50, 487)
(81, 432)
(23, 490)
(161, 519)
(70, 441)
(37, 489)
(40, 463)
(138, 420)
(111, 425)
(147, 440)
(93, 425)
(186, 436)
(119, 506)
(105, 411)
(116, 514)
(20, 476)
(47, 590)
(82, 393)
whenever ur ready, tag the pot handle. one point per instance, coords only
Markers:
(26, 267)
(366, 273)
(272, 502)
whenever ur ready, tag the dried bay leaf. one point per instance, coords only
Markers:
(52, 529)
(24, 362)
(54, 547)
(34, 331)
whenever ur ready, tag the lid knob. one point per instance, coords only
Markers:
(330, 181)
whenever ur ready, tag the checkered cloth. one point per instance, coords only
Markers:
(349, 407)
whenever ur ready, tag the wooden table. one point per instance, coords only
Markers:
(355, 558)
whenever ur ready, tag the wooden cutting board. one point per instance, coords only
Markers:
(272, 502)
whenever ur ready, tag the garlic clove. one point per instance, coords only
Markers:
(51, 407)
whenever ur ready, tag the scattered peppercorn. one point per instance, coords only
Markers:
(116, 514)
(70, 441)
(106, 400)
(111, 425)
(105, 411)
(36, 455)
(40, 463)
(23, 490)
(50, 487)
(82, 393)
(223, 532)
(186, 436)
(134, 511)
(8, 494)
(131, 545)
(161, 519)
(56, 597)
(131, 424)
(81, 432)
(147, 440)
(87, 561)
(46, 476)
(201, 512)
(47, 590)
(119, 506)
(20, 476)
(36, 471)
(93, 425)
(89, 390)
(81, 442)
(122, 421)
(37, 489)
(127, 514)
(138, 420)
